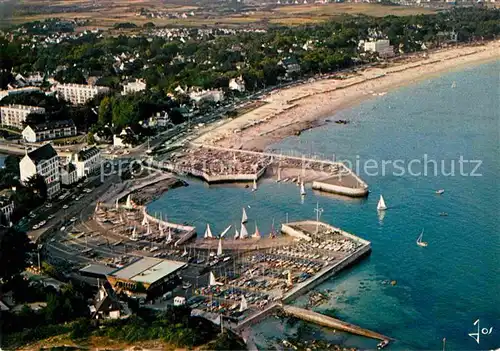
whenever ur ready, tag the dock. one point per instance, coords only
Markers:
(326, 321)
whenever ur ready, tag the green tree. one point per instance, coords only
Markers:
(14, 249)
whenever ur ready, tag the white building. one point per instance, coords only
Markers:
(87, 161)
(45, 162)
(237, 84)
(382, 47)
(207, 95)
(68, 174)
(50, 130)
(15, 115)
(134, 87)
(118, 140)
(79, 93)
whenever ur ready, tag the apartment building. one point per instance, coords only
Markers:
(45, 162)
(50, 130)
(15, 115)
(87, 161)
(79, 94)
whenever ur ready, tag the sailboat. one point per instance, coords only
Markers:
(116, 204)
(160, 227)
(273, 231)
(254, 186)
(454, 84)
(279, 175)
(128, 204)
(208, 233)
(243, 303)
(256, 235)
(169, 237)
(302, 189)
(440, 191)
(225, 231)
(212, 281)
(185, 253)
(134, 235)
(243, 232)
(236, 233)
(244, 217)
(419, 240)
(219, 248)
(145, 220)
(381, 204)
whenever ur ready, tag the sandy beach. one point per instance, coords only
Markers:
(294, 109)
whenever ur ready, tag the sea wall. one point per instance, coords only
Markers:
(341, 190)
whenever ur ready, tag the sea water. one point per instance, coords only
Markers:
(442, 289)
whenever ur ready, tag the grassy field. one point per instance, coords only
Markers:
(105, 13)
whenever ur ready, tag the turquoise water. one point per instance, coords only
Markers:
(441, 289)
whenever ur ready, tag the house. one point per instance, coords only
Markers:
(207, 95)
(120, 139)
(45, 162)
(15, 115)
(68, 174)
(134, 87)
(382, 47)
(290, 65)
(105, 304)
(179, 301)
(87, 161)
(237, 84)
(35, 133)
(160, 120)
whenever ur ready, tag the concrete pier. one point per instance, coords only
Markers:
(321, 319)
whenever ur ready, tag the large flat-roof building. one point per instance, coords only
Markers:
(144, 275)
(79, 94)
(51, 130)
(15, 115)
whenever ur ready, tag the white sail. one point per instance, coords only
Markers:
(219, 249)
(208, 232)
(236, 233)
(160, 227)
(145, 220)
(243, 232)
(212, 281)
(419, 240)
(381, 204)
(169, 237)
(244, 217)
(254, 186)
(225, 231)
(243, 303)
(256, 235)
(134, 235)
(128, 204)
(148, 230)
(279, 174)
(302, 189)
(116, 204)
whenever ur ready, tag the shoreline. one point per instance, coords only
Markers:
(292, 110)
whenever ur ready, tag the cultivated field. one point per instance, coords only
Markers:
(105, 13)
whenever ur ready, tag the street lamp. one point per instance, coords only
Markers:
(318, 211)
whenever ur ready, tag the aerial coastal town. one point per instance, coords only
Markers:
(96, 124)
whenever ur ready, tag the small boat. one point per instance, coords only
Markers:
(302, 189)
(243, 232)
(244, 217)
(236, 233)
(185, 253)
(254, 186)
(256, 235)
(286, 180)
(440, 191)
(381, 204)
(443, 214)
(453, 85)
(382, 344)
(219, 248)
(243, 304)
(419, 240)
